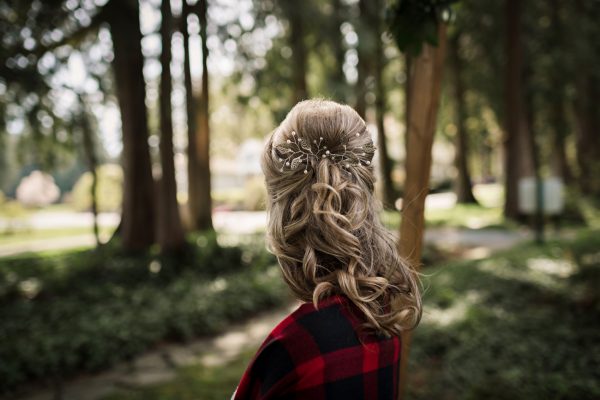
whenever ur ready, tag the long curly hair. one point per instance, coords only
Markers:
(323, 224)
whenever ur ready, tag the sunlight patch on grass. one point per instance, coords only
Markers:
(465, 216)
(29, 235)
(489, 194)
(453, 314)
(560, 268)
(532, 272)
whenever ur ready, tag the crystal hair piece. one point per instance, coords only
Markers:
(299, 151)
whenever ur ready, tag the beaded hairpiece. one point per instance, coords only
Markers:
(299, 151)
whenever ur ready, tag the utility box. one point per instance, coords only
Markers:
(552, 190)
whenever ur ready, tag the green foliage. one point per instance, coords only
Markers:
(109, 190)
(514, 326)
(90, 309)
(414, 23)
(519, 325)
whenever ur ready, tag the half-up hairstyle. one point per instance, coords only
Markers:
(324, 227)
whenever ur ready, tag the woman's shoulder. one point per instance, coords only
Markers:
(311, 331)
(311, 340)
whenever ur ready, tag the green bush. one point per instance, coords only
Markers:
(109, 190)
(519, 325)
(84, 311)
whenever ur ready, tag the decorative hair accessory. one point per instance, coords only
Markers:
(299, 151)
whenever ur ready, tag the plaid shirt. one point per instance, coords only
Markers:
(319, 355)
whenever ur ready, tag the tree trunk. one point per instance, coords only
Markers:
(193, 165)
(364, 66)
(561, 162)
(588, 137)
(408, 69)
(201, 208)
(425, 80)
(389, 195)
(513, 111)
(587, 118)
(299, 54)
(92, 163)
(534, 156)
(463, 189)
(560, 126)
(338, 86)
(170, 232)
(137, 225)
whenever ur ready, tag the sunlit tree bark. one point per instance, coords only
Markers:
(424, 96)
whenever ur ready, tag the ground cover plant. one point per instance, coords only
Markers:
(522, 324)
(86, 310)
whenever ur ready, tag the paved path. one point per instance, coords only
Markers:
(160, 365)
(239, 222)
(446, 238)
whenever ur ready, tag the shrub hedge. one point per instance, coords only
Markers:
(85, 311)
(522, 324)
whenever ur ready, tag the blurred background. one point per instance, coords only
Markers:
(132, 205)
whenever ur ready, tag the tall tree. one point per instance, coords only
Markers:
(376, 21)
(365, 49)
(463, 189)
(557, 101)
(170, 232)
(193, 164)
(295, 16)
(89, 150)
(587, 83)
(137, 224)
(413, 25)
(371, 65)
(337, 85)
(513, 107)
(200, 199)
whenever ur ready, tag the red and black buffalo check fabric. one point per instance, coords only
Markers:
(317, 354)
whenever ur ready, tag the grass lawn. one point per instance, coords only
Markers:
(26, 236)
(460, 216)
(522, 324)
(519, 325)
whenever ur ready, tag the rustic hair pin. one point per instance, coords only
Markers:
(299, 151)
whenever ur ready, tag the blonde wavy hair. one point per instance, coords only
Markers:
(323, 225)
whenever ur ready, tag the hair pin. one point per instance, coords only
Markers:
(299, 151)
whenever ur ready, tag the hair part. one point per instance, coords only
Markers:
(324, 226)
